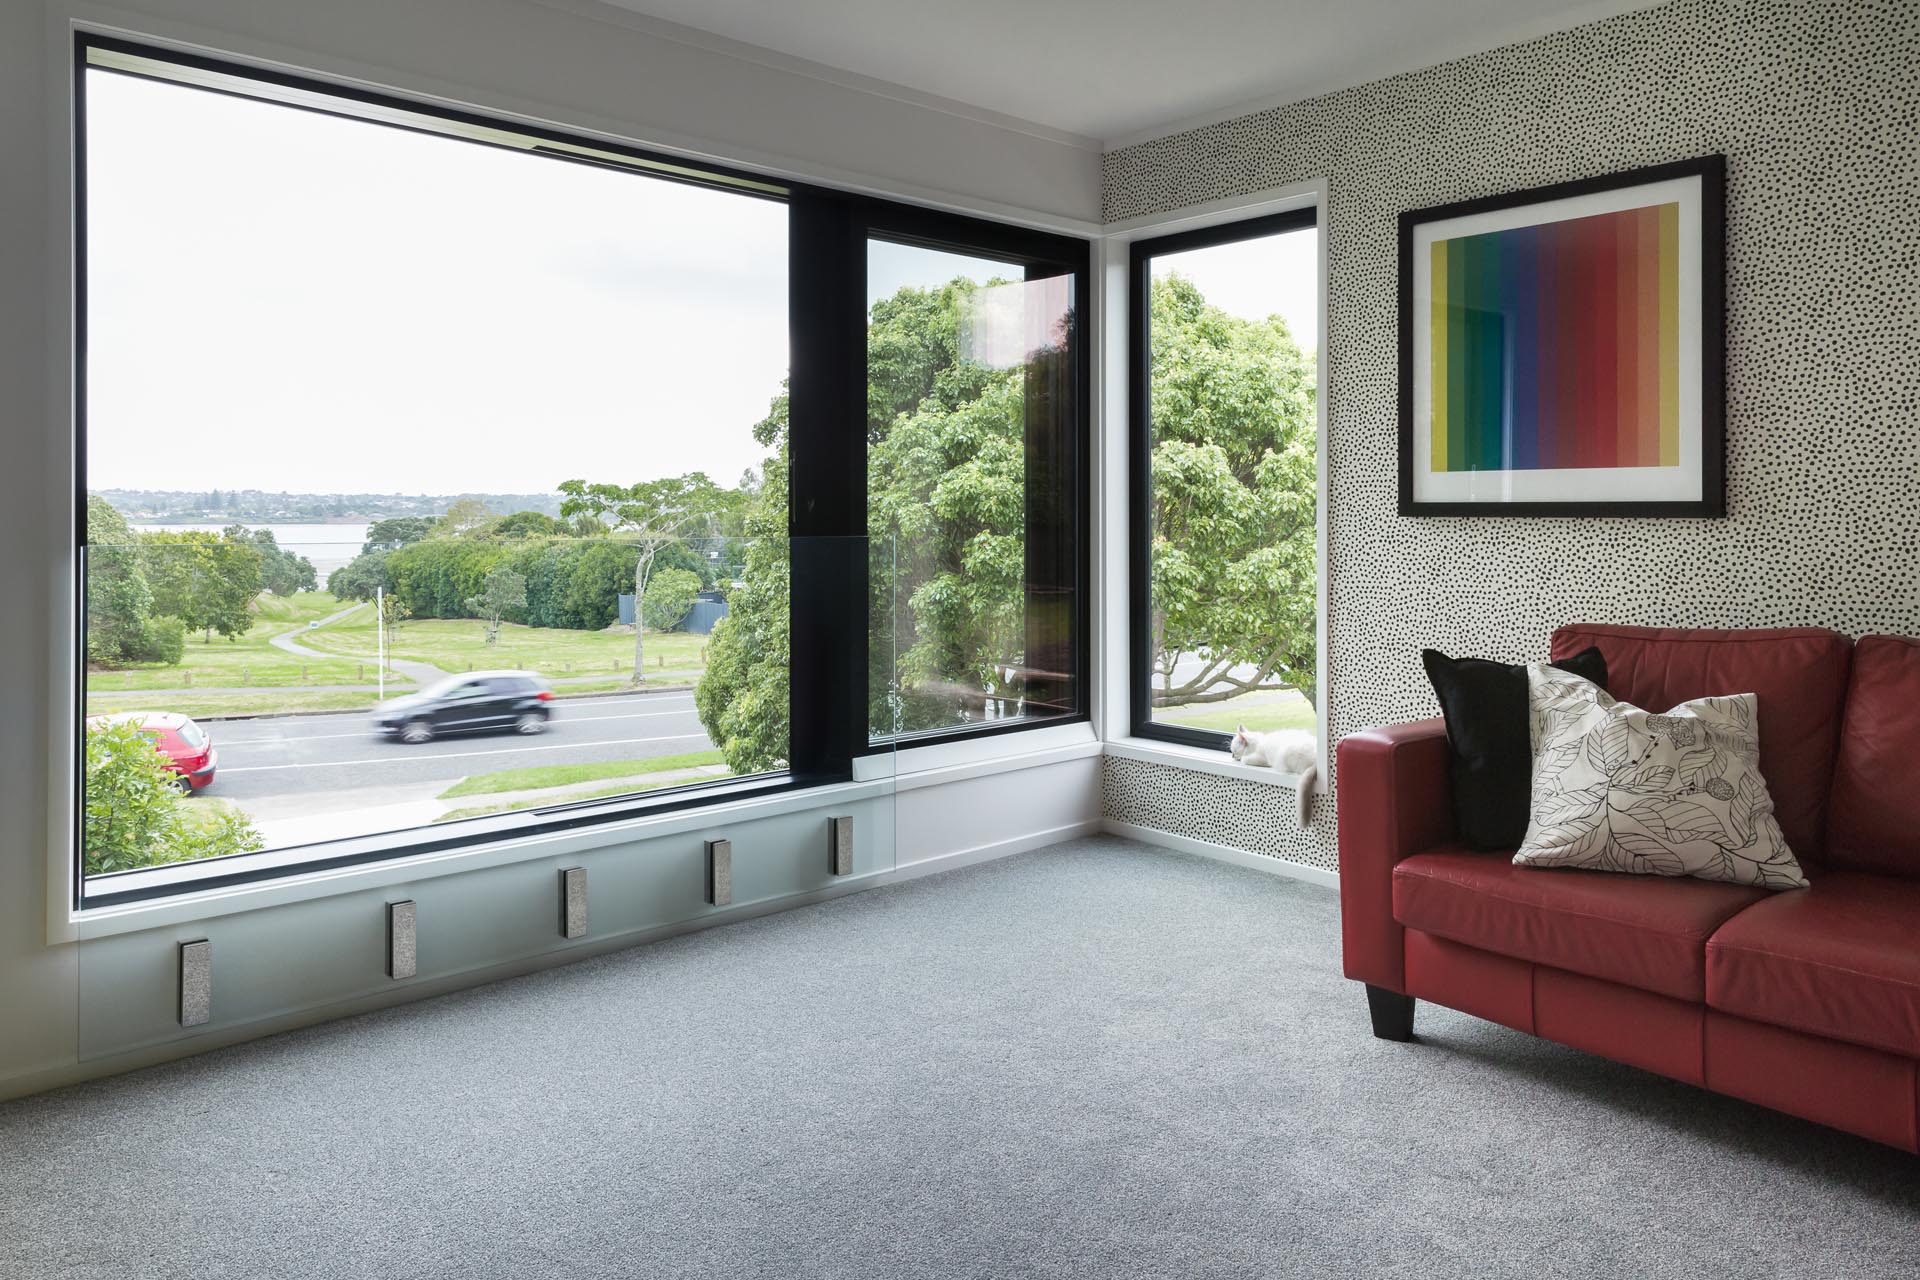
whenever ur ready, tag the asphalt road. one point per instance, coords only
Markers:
(338, 754)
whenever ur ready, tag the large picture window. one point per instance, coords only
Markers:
(443, 479)
(1225, 482)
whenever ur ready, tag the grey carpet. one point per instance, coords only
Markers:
(1094, 1060)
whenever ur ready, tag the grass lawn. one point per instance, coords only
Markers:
(460, 644)
(249, 660)
(561, 775)
(624, 789)
(265, 702)
(1264, 711)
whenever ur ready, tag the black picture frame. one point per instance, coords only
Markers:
(1712, 503)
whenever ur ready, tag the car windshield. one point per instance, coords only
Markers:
(443, 688)
(192, 734)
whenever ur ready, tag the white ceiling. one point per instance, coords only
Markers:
(1117, 70)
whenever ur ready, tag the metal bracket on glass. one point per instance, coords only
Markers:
(196, 983)
(840, 845)
(573, 902)
(403, 954)
(720, 872)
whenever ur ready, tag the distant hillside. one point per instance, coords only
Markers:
(259, 506)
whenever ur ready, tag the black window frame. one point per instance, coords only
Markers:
(827, 446)
(1140, 648)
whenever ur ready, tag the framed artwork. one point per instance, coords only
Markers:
(1562, 350)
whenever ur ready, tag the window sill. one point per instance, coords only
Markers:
(908, 770)
(968, 757)
(1200, 760)
(189, 905)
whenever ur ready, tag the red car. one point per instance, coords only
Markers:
(187, 747)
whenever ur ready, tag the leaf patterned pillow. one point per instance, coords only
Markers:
(1616, 788)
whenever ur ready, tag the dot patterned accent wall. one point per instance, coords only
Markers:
(1816, 104)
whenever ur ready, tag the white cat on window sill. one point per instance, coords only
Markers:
(1288, 750)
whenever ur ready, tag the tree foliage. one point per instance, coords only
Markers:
(649, 516)
(281, 571)
(396, 532)
(465, 517)
(502, 592)
(203, 579)
(361, 578)
(134, 815)
(119, 600)
(669, 596)
(744, 696)
(527, 524)
(1233, 558)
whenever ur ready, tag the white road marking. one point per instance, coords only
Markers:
(325, 737)
(460, 755)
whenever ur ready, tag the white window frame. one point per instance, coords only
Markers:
(1112, 380)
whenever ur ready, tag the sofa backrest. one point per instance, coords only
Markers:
(1874, 823)
(1799, 675)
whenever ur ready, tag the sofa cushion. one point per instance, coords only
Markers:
(1798, 674)
(1840, 959)
(1644, 932)
(1488, 753)
(1679, 793)
(1874, 824)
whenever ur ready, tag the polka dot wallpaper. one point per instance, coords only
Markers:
(1816, 104)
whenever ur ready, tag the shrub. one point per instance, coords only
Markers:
(134, 817)
(670, 594)
(159, 640)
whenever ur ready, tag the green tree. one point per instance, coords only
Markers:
(1234, 488)
(467, 517)
(649, 516)
(526, 524)
(361, 578)
(133, 814)
(119, 599)
(394, 613)
(669, 596)
(203, 579)
(396, 532)
(596, 571)
(744, 698)
(502, 592)
(281, 571)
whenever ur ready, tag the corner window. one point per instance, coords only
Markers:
(974, 430)
(1225, 485)
(443, 480)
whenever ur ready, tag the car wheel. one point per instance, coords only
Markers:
(181, 784)
(530, 722)
(417, 732)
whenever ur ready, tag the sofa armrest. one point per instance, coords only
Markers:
(1394, 803)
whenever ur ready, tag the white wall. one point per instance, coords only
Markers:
(500, 55)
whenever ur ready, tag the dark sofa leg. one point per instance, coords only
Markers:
(1392, 1013)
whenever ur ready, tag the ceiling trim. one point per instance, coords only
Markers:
(1433, 55)
(660, 28)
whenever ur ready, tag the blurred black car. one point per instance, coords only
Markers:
(478, 702)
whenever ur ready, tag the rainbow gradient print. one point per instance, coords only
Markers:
(1557, 345)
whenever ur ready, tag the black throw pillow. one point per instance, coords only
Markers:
(1490, 757)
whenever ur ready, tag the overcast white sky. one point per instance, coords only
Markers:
(1254, 279)
(279, 299)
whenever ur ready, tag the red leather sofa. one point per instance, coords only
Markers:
(1805, 1000)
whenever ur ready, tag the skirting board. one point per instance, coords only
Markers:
(1221, 853)
(38, 1080)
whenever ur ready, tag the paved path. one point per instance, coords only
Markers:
(422, 673)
